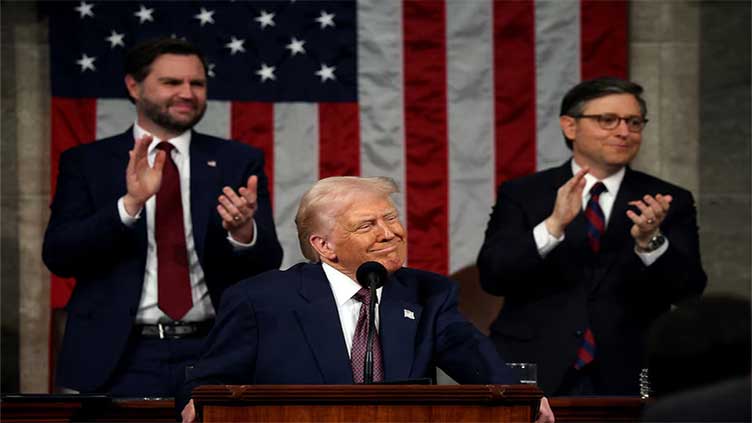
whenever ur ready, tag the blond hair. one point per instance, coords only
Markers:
(325, 201)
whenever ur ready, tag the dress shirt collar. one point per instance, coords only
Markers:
(342, 286)
(612, 182)
(182, 142)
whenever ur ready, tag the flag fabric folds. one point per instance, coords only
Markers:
(449, 98)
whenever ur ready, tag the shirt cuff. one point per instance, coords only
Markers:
(651, 256)
(239, 246)
(127, 219)
(544, 240)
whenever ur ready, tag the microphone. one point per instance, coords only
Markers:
(371, 275)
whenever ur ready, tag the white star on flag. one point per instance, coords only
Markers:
(296, 46)
(144, 14)
(85, 9)
(116, 39)
(210, 71)
(265, 19)
(236, 45)
(205, 16)
(266, 72)
(326, 72)
(326, 19)
(86, 62)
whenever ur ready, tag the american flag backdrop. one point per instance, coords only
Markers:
(449, 98)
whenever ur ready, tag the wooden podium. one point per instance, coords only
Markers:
(372, 403)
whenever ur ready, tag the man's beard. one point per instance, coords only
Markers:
(154, 112)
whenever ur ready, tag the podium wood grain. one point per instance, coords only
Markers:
(374, 403)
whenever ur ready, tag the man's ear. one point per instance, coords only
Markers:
(133, 87)
(322, 246)
(568, 126)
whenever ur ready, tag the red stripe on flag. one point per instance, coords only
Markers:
(603, 38)
(514, 88)
(253, 124)
(339, 139)
(74, 122)
(424, 27)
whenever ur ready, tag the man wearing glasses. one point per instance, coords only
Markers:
(588, 254)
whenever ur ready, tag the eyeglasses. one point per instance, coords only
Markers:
(611, 121)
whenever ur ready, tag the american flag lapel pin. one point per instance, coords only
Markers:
(211, 163)
(409, 314)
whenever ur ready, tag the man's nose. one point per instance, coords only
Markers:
(186, 91)
(622, 129)
(386, 231)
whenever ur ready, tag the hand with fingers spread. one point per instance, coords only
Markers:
(142, 180)
(647, 224)
(568, 204)
(237, 210)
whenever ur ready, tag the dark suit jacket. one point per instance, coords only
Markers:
(549, 302)
(86, 239)
(283, 327)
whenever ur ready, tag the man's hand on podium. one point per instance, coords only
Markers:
(189, 412)
(545, 414)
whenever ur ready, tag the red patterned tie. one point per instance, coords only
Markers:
(596, 225)
(586, 353)
(594, 218)
(360, 339)
(174, 291)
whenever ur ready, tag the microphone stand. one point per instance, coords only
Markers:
(368, 365)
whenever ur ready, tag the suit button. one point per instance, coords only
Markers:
(578, 332)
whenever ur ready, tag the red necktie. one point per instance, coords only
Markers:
(594, 218)
(586, 353)
(596, 225)
(360, 339)
(174, 283)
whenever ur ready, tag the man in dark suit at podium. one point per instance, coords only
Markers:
(589, 253)
(154, 224)
(307, 324)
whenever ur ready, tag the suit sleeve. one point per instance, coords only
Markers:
(230, 349)
(678, 273)
(509, 261)
(463, 352)
(266, 253)
(81, 235)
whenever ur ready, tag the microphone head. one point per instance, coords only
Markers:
(371, 272)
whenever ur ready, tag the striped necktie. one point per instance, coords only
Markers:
(596, 225)
(594, 218)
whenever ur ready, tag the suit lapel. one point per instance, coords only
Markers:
(320, 323)
(398, 331)
(204, 187)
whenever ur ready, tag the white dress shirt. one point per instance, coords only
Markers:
(148, 310)
(546, 242)
(343, 289)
